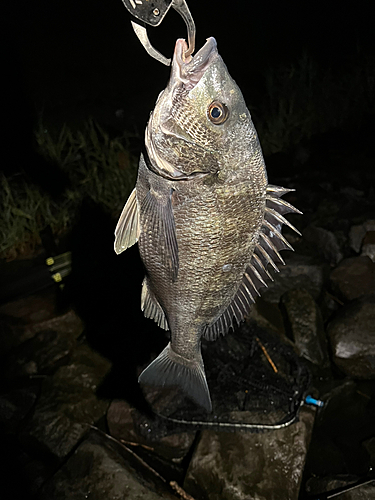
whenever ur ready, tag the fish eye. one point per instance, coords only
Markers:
(217, 112)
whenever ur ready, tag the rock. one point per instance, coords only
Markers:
(68, 323)
(325, 243)
(301, 271)
(50, 343)
(15, 330)
(239, 466)
(123, 421)
(358, 232)
(100, 469)
(368, 247)
(353, 278)
(329, 305)
(305, 325)
(32, 309)
(15, 405)
(67, 405)
(319, 486)
(363, 492)
(341, 426)
(267, 316)
(16, 317)
(39, 355)
(369, 445)
(352, 338)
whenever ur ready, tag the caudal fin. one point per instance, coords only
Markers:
(171, 369)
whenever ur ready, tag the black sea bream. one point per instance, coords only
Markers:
(207, 222)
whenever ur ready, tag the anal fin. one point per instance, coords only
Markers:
(238, 309)
(151, 307)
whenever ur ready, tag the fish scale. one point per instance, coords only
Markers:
(207, 222)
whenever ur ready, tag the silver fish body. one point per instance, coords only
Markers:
(206, 221)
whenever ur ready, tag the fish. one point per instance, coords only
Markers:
(207, 222)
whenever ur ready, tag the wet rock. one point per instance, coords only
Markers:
(14, 332)
(68, 323)
(329, 305)
(318, 486)
(18, 318)
(368, 247)
(267, 316)
(358, 232)
(341, 426)
(352, 338)
(363, 492)
(32, 309)
(123, 421)
(325, 242)
(353, 278)
(305, 325)
(369, 445)
(241, 466)
(301, 271)
(50, 343)
(15, 405)
(39, 355)
(68, 404)
(100, 469)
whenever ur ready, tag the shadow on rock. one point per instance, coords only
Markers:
(105, 290)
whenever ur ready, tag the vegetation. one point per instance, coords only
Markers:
(304, 99)
(98, 167)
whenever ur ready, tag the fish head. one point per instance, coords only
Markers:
(200, 124)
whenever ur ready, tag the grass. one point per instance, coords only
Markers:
(97, 166)
(303, 99)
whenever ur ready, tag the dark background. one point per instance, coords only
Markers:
(65, 60)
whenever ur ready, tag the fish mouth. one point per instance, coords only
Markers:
(189, 70)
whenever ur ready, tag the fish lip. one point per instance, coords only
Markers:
(190, 70)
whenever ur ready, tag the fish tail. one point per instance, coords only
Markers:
(171, 369)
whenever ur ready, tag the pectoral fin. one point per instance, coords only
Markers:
(159, 219)
(127, 229)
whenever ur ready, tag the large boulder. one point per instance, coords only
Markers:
(352, 337)
(247, 466)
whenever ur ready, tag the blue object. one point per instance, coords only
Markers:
(312, 401)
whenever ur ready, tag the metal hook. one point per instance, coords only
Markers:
(153, 16)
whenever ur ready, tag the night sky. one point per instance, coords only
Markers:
(68, 59)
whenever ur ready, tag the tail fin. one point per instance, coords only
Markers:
(171, 369)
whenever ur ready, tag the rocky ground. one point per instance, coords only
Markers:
(75, 424)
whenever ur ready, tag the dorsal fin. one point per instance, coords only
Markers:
(151, 307)
(266, 251)
(127, 229)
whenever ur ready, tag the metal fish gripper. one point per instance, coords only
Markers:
(152, 13)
